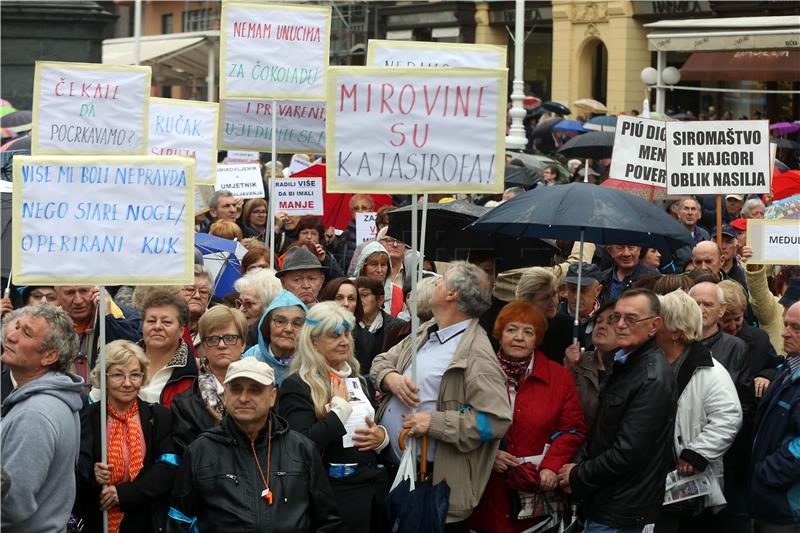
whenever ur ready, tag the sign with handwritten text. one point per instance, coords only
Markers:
(88, 108)
(366, 229)
(273, 50)
(298, 196)
(247, 125)
(186, 128)
(382, 53)
(113, 220)
(412, 130)
(243, 180)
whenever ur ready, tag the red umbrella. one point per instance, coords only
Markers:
(637, 189)
(337, 205)
(785, 184)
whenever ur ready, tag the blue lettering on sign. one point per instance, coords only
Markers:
(159, 245)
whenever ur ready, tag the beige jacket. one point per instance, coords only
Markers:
(473, 413)
(768, 311)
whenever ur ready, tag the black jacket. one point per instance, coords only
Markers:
(629, 452)
(191, 417)
(763, 358)
(641, 270)
(219, 485)
(143, 500)
(376, 346)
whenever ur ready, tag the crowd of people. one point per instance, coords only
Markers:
(285, 404)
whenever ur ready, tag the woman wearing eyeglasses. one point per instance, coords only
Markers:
(135, 482)
(277, 333)
(200, 408)
(256, 290)
(374, 262)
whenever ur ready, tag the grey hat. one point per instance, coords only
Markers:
(590, 274)
(299, 258)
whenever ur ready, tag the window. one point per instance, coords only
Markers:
(166, 23)
(197, 19)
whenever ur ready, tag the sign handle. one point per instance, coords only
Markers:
(271, 193)
(719, 221)
(651, 194)
(101, 318)
(414, 317)
(422, 236)
(577, 324)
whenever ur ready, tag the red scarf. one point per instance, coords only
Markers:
(125, 433)
(514, 368)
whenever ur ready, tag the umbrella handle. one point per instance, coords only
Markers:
(423, 463)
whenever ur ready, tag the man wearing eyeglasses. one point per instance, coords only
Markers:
(620, 481)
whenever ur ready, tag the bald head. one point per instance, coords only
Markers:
(706, 256)
(711, 300)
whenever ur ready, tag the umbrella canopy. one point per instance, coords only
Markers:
(785, 184)
(18, 121)
(604, 215)
(570, 126)
(786, 208)
(520, 176)
(784, 143)
(604, 123)
(784, 128)
(590, 106)
(20, 144)
(222, 258)
(688, 116)
(592, 145)
(637, 189)
(556, 107)
(545, 127)
(537, 162)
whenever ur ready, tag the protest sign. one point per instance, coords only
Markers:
(186, 128)
(247, 125)
(238, 156)
(85, 108)
(273, 50)
(115, 220)
(640, 151)
(298, 164)
(366, 230)
(202, 193)
(718, 157)
(403, 130)
(243, 181)
(382, 53)
(298, 196)
(774, 242)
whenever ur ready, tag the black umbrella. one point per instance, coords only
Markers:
(545, 127)
(784, 143)
(683, 116)
(18, 121)
(592, 145)
(520, 176)
(555, 107)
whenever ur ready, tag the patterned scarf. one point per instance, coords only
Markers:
(207, 385)
(513, 368)
(125, 434)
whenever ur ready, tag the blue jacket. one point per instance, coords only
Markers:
(775, 465)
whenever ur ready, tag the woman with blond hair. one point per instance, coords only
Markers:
(322, 394)
(134, 484)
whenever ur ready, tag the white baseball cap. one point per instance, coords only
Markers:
(252, 368)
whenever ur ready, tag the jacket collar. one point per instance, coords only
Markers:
(229, 432)
(540, 370)
(710, 341)
(460, 357)
(699, 356)
(632, 356)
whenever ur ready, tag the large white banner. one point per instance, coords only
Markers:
(88, 108)
(273, 50)
(718, 157)
(186, 128)
(404, 130)
(382, 53)
(115, 220)
(640, 151)
(247, 125)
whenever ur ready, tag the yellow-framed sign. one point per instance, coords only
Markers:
(774, 242)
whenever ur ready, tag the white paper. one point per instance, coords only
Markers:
(435, 55)
(247, 125)
(298, 196)
(243, 181)
(186, 128)
(680, 488)
(640, 151)
(239, 156)
(362, 408)
(366, 230)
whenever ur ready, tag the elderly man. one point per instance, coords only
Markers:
(222, 206)
(706, 256)
(590, 287)
(626, 269)
(621, 479)
(302, 274)
(81, 304)
(775, 466)
(40, 427)
(731, 267)
(689, 212)
(252, 452)
(460, 396)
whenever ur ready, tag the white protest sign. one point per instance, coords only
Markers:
(202, 193)
(382, 53)
(247, 124)
(115, 220)
(366, 230)
(238, 156)
(297, 164)
(273, 50)
(640, 151)
(774, 242)
(87, 108)
(718, 157)
(298, 196)
(401, 130)
(243, 181)
(187, 128)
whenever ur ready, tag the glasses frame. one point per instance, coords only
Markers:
(235, 339)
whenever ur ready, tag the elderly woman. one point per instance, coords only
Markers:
(197, 297)
(199, 408)
(374, 262)
(134, 484)
(424, 312)
(255, 258)
(343, 292)
(256, 291)
(374, 319)
(708, 417)
(172, 366)
(753, 208)
(539, 286)
(548, 425)
(277, 333)
(323, 393)
(254, 218)
(311, 232)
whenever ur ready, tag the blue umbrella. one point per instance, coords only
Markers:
(602, 123)
(570, 126)
(222, 257)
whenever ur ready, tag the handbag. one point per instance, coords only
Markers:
(527, 505)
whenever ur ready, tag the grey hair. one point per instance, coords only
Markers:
(60, 335)
(121, 352)
(213, 202)
(201, 271)
(472, 285)
(533, 281)
(750, 204)
(681, 314)
(514, 190)
(424, 297)
(263, 282)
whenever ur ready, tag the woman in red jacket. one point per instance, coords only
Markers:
(547, 412)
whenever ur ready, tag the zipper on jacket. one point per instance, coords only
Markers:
(234, 478)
